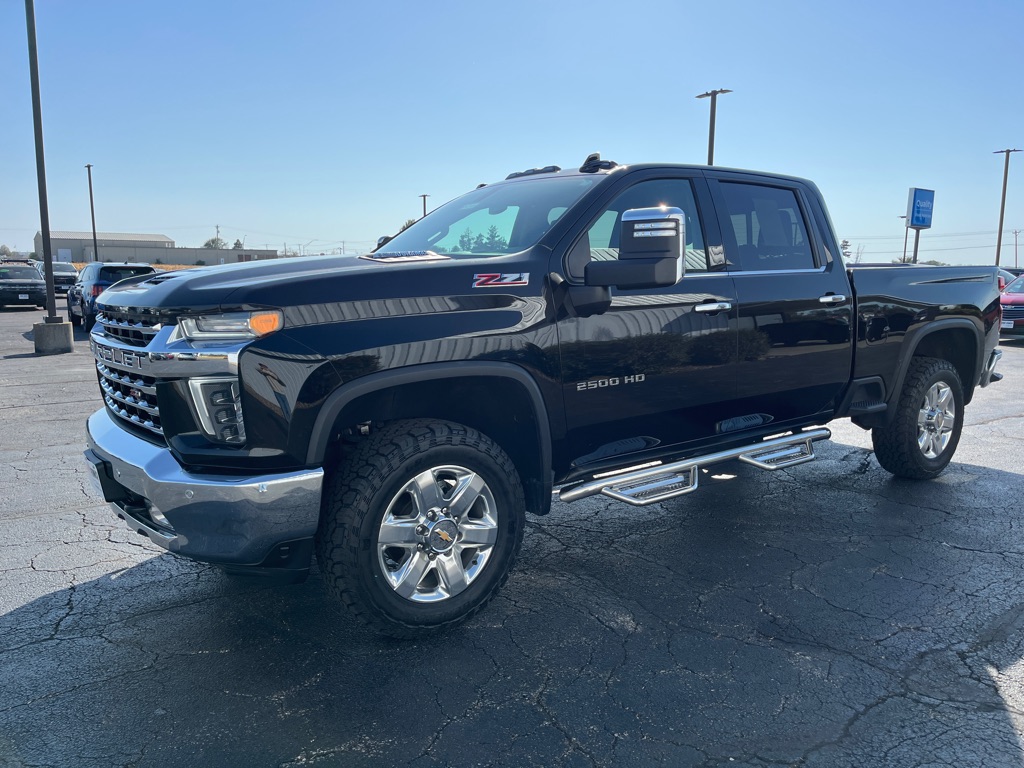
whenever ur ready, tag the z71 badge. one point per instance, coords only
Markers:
(501, 280)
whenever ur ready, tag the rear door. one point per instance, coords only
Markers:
(795, 302)
(658, 367)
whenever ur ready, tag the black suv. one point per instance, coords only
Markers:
(21, 284)
(64, 275)
(92, 281)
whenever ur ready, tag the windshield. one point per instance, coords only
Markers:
(494, 220)
(1017, 286)
(65, 269)
(18, 273)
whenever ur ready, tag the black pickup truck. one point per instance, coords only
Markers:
(609, 329)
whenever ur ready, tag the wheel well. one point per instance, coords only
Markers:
(960, 347)
(499, 407)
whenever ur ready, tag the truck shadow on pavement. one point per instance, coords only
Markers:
(826, 615)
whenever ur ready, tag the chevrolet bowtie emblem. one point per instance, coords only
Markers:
(444, 536)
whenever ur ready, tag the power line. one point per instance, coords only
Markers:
(936, 250)
(931, 235)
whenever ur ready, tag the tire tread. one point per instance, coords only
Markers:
(892, 443)
(347, 499)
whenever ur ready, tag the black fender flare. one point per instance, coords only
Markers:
(913, 340)
(334, 404)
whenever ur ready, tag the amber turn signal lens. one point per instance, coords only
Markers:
(263, 323)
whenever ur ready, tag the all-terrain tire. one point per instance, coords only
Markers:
(924, 434)
(420, 526)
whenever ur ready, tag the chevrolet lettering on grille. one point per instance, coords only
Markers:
(117, 356)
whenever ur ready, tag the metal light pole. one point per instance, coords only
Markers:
(1002, 203)
(37, 115)
(711, 128)
(52, 336)
(424, 203)
(906, 232)
(92, 212)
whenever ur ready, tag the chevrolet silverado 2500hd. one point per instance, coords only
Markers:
(609, 329)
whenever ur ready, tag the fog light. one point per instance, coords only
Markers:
(219, 423)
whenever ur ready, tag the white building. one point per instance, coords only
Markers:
(77, 247)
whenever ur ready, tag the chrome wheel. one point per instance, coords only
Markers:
(936, 420)
(437, 534)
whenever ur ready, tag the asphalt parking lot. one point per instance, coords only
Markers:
(827, 615)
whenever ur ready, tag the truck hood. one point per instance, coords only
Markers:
(315, 280)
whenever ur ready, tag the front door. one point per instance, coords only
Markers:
(658, 367)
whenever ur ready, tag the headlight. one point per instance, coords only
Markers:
(231, 325)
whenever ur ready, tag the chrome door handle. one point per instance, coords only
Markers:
(832, 298)
(713, 306)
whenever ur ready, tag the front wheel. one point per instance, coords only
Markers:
(420, 526)
(924, 434)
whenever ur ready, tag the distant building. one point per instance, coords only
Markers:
(77, 247)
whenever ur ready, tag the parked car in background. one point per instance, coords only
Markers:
(64, 275)
(21, 285)
(1005, 277)
(1012, 301)
(92, 281)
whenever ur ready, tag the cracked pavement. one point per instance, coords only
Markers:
(822, 616)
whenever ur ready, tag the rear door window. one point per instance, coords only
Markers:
(767, 228)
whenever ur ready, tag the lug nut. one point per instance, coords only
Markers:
(421, 530)
(432, 556)
(432, 515)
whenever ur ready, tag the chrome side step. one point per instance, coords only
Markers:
(648, 486)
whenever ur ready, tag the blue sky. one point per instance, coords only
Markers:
(317, 123)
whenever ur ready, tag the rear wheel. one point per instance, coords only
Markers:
(88, 321)
(420, 527)
(923, 436)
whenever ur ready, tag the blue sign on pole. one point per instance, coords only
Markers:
(919, 208)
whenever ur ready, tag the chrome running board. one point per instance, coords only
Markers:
(648, 486)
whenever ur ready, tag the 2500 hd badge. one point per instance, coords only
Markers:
(613, 381)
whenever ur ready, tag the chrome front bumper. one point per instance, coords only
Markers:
(257, 521)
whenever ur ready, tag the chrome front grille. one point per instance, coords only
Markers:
(138, 354)
(1011, 312)
(134, 328)
(128, 393)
